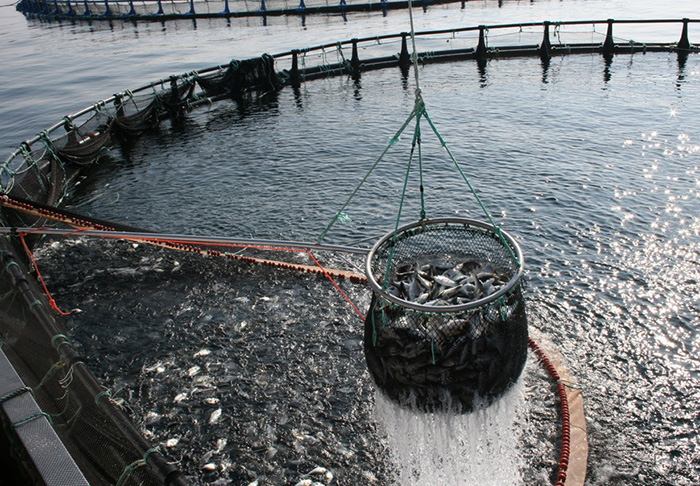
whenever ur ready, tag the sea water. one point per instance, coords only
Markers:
(593, 166)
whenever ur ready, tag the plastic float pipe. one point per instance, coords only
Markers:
(203, 240)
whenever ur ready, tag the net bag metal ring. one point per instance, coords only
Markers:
(447, 321)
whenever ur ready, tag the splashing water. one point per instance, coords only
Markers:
(479, 448)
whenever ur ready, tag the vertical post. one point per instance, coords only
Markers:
(119, 105)
(108, 11)
(546, 46)
(191, 12)
(302, 6)
(355, 60)
(404, 57)
(481, 48)
(294, 75)
(87, 9)
(683, 43)
(71, 12)
(609, 44)
(160, 8)
(226, 9)
(262, 6)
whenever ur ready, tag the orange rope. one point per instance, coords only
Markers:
(336, 285)
(36, 267)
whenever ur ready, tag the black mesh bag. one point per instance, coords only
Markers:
(447, 325)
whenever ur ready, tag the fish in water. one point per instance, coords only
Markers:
(444, 283)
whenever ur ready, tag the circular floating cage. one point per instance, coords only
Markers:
(447, 325)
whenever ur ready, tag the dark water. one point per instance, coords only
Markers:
(593, 167)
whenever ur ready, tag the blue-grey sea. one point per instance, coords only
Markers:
(251, 375)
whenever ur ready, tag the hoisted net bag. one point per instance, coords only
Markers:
(447, 323)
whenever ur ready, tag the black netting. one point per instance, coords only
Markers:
(242, 77)
(447, 319)
(93, 427)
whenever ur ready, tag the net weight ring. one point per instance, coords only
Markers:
(446, 325)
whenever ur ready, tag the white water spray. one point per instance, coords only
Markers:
(452, 449)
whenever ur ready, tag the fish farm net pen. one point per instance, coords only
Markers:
(93, 426)
(165, 10)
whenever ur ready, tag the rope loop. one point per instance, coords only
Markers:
(56, 337)
(128, 470)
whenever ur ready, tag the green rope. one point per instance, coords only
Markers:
(75, 415)
(32, 417)
(56, 338)
(35, 303)
(50, 373)
(391, 143)
(420, 167)
(497, 229)
(13, 263)
(16, 393)
(390, 259)
(128, 470)
(103, 393)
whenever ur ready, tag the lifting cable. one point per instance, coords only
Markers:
(419, 110)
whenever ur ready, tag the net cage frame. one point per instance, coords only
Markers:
(435, 356)
(41, 170)
(424, 225)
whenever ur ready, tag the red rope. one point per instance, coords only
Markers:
(336, 285)
(36, 267)
(565, 416)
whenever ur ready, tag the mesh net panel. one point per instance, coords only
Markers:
(423, 355)
(92, 426)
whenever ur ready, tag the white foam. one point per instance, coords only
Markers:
(479, 448)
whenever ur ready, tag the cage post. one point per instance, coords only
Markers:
(71, 12)
(226, 9)
(609, 44)
(404, 58)
(118, 105)
(87, 9)
(132, 9)
(355, 59)
(302, 6)
(546, 46)
(160, 8)
(294, 76)
(481, 48)
(108, 11)
(191, 12)
(683, 43)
